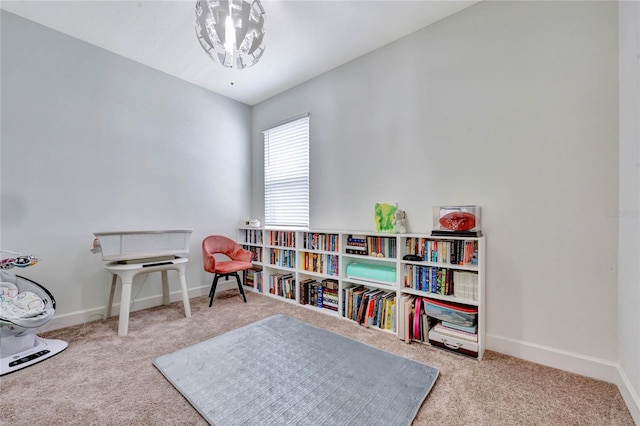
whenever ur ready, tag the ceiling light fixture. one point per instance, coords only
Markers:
(231, 31)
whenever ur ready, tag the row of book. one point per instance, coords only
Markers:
(415, 324)
(285, 258)
(253, 278)
(253, 236)
(371, 246)
(282, 238)
(256, 253)
(442, 281)
(454, 252)
(356, 244)
(322, 294)
(283, 285)
(370, 307)
(318, 241)
(430, 279)
(321, 263)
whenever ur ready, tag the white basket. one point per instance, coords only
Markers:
(130, 245)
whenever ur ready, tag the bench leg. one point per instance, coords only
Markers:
(114, 282)
(123, 321)
(166, 297)
(185, 294)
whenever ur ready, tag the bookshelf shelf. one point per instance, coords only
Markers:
(372, 284)
(452, 299)
(322, 310)
(315, 274)
(358, 257)
(311, 268)
(442, 265)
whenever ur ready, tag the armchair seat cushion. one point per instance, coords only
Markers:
(229, 266)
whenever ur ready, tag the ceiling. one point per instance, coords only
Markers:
(304, 38)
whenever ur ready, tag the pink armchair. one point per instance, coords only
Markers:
(239, 260)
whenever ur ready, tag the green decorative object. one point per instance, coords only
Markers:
(384, 217)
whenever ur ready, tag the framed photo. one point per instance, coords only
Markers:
(383, 216)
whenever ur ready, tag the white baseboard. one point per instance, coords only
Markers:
(629, 395)
(596, 368)
(573, 362)
(82, 317)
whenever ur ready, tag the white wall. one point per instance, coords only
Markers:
(629, 210)
(508, 105)
(94, 142)
(512, 106)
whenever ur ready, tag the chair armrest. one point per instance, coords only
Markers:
(241, 254)
(208, 261)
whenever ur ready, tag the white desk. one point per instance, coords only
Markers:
(127, 272)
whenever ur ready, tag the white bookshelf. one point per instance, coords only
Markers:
(323, 255)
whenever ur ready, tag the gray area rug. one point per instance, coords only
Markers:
(281, 371)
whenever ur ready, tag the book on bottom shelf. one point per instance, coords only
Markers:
(283, 285)
(253, 278)
(369, 311)
(356, 301)
(414, 323)
(371, 307)
(319, 294)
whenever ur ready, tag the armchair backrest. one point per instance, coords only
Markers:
(218, 244)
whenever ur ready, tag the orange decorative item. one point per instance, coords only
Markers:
(458, 221)
(462, 221)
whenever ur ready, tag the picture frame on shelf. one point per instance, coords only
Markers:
(384, 216)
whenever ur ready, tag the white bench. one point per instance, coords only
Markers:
(127, 271)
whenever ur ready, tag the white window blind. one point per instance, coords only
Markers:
(286, 174)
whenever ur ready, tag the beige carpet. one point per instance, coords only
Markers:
(109, 380)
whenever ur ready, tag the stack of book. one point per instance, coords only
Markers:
(316, 241)
(319, 294)
(305, 290)
(286, 258)
(283, 285)
(253, 278)
(382, 247)
(253, 236)
(256, 253)
(356, 244)
(414, 323)
(370, 307)
(430, 279)
(328, 294)
(320, 263)
(454, 252)
(282, 238)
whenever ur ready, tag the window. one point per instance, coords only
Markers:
(286, 174)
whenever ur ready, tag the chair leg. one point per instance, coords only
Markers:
(212, 292)
(240, 287)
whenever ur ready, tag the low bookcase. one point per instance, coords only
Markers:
(423, 288)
